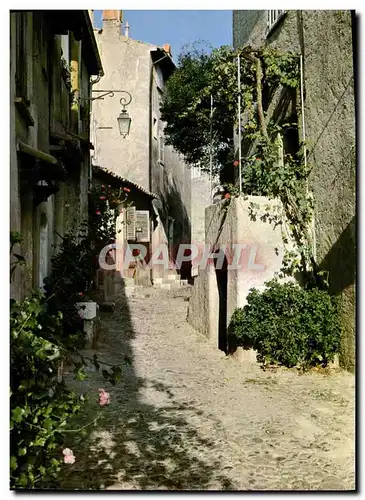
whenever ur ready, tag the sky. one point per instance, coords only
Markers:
(177, 27)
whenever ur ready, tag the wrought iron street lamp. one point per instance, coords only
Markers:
(124, 120)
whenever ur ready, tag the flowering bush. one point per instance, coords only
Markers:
(40, 405)
(104, 398)
(69, 457)
(46, 330)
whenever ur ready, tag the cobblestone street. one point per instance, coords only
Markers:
(186, 417)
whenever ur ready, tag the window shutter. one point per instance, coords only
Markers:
(143, 226)
(161, 148)
(131, 223)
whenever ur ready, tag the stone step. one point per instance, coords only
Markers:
(173, 277)
(163, 286)
(129, 290)
(128, 281)
(160, 281)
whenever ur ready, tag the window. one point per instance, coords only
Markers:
(273, 17)
(159, 79)
(65, 47)
(155, 128)
(131, 223)
(161, 148)
(142, 224)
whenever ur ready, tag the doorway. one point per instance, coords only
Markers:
(43, 250)
(222, 284)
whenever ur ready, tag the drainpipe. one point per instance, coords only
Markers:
(239, 123)
(93, 82)
(302, 108)
(314, 246)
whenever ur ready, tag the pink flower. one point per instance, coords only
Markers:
(69, 457)
(104, 397)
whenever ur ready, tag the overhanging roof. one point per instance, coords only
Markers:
(79, 22)
(164, 59)
(108, 173)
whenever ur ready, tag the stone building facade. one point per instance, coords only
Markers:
(325, 40)
(141, 157)
(53, 55)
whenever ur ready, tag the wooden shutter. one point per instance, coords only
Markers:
(161, 147)
(131, 223)
(143, 226)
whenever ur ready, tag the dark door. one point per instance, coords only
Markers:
(222, 280)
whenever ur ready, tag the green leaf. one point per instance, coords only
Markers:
(13, 463)
(17, 414)
(40, 441)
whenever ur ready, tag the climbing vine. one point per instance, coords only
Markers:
(269, 80)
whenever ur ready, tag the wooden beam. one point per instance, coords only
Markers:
(40, 155)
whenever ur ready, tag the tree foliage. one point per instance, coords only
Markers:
(186, 107)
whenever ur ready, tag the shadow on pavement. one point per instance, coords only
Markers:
(136, 446)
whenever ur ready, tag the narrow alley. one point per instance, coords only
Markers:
(186, 417)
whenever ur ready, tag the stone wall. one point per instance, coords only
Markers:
(261, 254)
(170, 177)
(324, 38)
(43, 225)
(127, 66)
(200, 199)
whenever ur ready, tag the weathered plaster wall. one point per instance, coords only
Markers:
(50, 110)
(325, 40)
(15, 221)
(170, 178)
(200, 199)
(261, 256)
(127, 66)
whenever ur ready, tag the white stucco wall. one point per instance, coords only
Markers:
(262, 252)
(127, 66)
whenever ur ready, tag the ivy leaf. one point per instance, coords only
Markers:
(13, 463)
(40, 441)
(18, 414)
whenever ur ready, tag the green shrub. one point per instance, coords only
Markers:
(288, 325)
(40, 405)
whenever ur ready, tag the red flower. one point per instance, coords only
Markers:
(81, 294)
(98, 212)
(236, 163)
(135, 252)
(127, 190)
(102, 197)
(227, 195)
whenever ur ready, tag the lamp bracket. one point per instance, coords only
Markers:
(110, 93)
